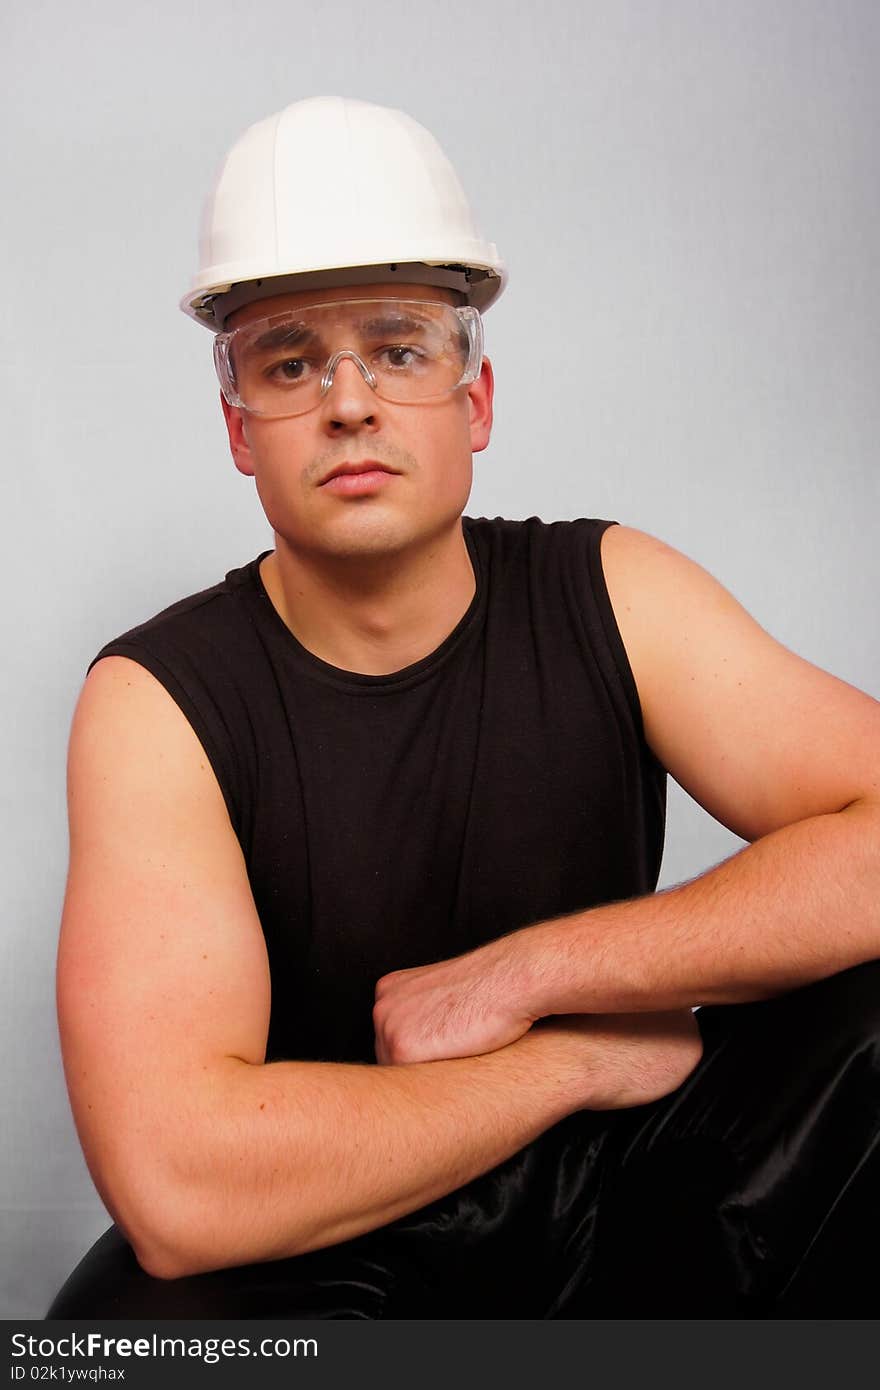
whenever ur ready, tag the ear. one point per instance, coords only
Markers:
(480, 395)
(238, 441)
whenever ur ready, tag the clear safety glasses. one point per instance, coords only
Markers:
(407, 350)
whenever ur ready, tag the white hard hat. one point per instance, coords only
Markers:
(333, 191)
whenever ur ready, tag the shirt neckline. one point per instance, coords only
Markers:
(357, 682)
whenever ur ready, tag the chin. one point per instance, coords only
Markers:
(357, 538)
(369, 536)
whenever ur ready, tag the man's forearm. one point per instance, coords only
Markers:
(795, 906)
(285, 1157)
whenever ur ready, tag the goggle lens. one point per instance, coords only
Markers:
(407, 351)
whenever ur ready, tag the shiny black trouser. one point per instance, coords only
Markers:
(753, 1191)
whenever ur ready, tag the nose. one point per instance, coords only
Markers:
(349, 399)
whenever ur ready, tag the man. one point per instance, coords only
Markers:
(367, 1005)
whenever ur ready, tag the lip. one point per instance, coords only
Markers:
(347, 470)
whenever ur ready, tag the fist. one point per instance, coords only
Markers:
(456, 1008)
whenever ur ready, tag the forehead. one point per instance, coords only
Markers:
(285, 303)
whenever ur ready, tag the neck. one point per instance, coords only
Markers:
(376, 614)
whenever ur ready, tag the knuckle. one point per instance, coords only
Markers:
(398, 1052)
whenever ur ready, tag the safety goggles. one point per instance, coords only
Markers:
(408, 350)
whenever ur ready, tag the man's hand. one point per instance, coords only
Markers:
(462, 1007)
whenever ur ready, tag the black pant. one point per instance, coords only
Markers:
(752, 1191)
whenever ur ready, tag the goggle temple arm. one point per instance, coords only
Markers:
(473, 323)
(224, 370)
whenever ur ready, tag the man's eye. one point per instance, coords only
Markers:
(290, 370)
(400, 356)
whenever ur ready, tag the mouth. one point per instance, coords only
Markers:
(345, 470)
(357, 477)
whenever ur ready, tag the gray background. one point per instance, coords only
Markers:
(687, 196)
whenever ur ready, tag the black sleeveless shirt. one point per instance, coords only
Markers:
(389, 821)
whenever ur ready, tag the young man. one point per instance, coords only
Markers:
(368, 1007)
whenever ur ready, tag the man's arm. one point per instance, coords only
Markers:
(206, 1155)
(779, 751)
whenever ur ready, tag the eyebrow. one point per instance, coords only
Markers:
(287, 335)
(394, 323)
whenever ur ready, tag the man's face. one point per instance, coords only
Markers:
(427, 445)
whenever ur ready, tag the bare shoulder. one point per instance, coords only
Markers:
(758, 735)
(121, 702)
(128, 735)
(635, 563)
(669, 609)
